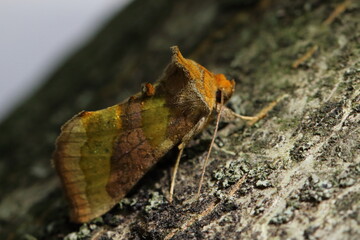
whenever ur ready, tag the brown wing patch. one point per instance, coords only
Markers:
(141, 144)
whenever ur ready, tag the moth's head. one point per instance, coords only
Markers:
(225, 88)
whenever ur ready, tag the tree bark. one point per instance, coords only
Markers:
(294, 175)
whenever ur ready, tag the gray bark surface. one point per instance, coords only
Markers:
(293, 175)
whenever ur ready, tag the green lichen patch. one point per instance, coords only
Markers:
(230, 173)
(322, 120)
(155, 201)
(127, 202)
(84, 232)
(316, 190)
(299, 151)
(284, 217)
(256, 171)
(262, 184)
(288, 213)
(348, 177)
(340, 147)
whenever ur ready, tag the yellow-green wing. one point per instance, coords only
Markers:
(101, 155)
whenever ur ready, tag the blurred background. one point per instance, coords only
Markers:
(36, 35)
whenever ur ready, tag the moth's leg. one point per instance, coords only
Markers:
(200, 125)
(176, 167)
(229, 115)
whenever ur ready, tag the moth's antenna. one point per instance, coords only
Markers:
(211, 144)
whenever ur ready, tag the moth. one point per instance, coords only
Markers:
(101, 155)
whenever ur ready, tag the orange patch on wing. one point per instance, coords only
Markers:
(203, 78)
(150, 90)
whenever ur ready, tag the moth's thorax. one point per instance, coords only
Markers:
(201, 87)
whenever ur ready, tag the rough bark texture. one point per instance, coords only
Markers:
(294, 175)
